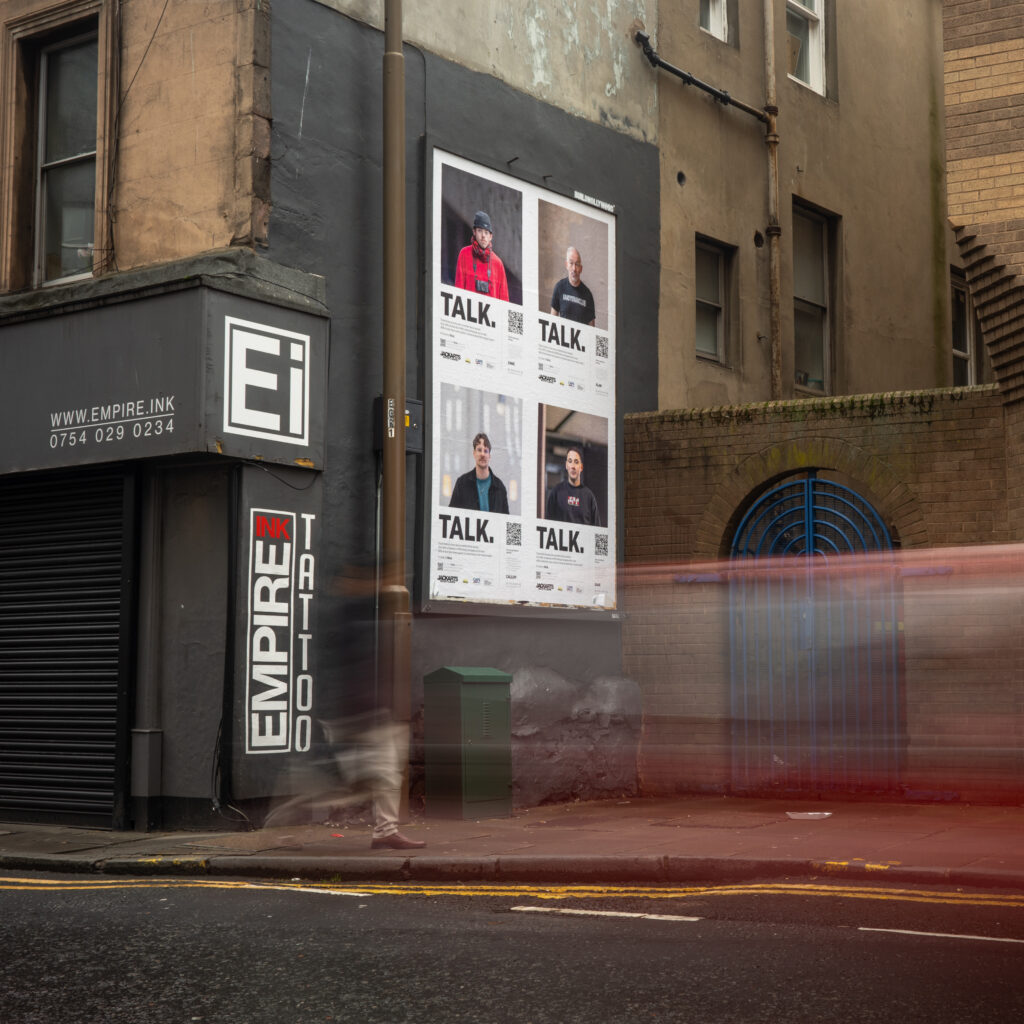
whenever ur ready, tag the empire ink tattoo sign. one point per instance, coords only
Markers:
(279, 682)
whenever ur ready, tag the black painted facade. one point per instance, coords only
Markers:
(327, 196)
(181, 729)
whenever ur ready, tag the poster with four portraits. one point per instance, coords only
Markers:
(521, 479)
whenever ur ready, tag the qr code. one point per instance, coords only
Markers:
(515, 321)
(602, 346)
(514, 534)
(601, 544)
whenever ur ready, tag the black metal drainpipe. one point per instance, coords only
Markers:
(720, 94)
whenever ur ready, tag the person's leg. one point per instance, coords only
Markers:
(385, 770)
(386, 777)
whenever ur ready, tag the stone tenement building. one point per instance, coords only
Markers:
(899, 669)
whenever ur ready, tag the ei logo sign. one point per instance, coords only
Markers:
(266, 382)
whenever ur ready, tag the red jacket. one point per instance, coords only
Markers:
(469, 270)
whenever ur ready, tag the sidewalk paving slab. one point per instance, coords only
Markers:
(692, 840)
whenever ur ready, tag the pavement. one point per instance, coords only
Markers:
(684, 840)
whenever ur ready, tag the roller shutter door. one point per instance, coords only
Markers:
(64, 645)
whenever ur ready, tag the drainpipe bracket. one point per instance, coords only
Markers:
(643, 40)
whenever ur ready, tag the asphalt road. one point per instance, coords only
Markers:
(108, 950)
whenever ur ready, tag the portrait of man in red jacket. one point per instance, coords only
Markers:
(479, 268)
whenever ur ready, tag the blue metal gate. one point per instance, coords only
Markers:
(816, 699)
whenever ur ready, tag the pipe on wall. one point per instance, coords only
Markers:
(774, 228)
(644, 40)
(395, 619)
(146, 785)
(768, 117)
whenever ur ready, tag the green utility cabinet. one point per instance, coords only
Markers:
(467, 743)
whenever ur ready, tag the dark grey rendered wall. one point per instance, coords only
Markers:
(326, 219)
(191, 592)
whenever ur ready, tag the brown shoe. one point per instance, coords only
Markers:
(396, 841)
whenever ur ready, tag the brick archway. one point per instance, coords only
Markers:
(871, 475)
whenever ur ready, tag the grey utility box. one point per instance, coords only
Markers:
(467, 743)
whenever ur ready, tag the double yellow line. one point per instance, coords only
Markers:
(540, 892)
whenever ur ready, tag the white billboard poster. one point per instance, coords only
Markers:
(522, 481)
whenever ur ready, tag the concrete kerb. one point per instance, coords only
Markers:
(55, 863)
(585, 870)
(984, 878)
(342, 869)
(72, 865)
(453, 869)
(561, 869)
(599, 870)
(164, 865)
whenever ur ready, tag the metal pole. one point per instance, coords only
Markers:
(395, 618)
(774, 229)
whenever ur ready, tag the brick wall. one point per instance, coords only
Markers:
(938, 468)
(676, 645)
(1015, 469)
(984, 74)
(984, 107)
(689, 473)
(964, 701)
(984, 94)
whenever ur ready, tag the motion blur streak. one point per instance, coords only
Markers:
(895, 674)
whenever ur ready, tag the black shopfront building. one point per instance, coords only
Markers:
(160, 462)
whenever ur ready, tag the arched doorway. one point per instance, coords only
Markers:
(816, 695)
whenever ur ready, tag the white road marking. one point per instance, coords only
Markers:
(605, 913)
(303, 888)
(940, 935)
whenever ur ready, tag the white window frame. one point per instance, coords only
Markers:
(815, 22)
(720, 306)
(714, 18)
(42, 167)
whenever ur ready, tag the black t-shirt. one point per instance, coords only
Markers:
(573, 303)
(569, 504)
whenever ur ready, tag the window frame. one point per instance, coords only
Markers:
(723, 307)
(717, 18)
(804, 303)
(815, 21)
(22, 42)
(968, 355)
(43, 167)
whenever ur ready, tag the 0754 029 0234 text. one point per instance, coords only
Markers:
(111, 432)
(118, 421)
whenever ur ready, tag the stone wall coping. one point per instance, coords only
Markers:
(876, 404)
